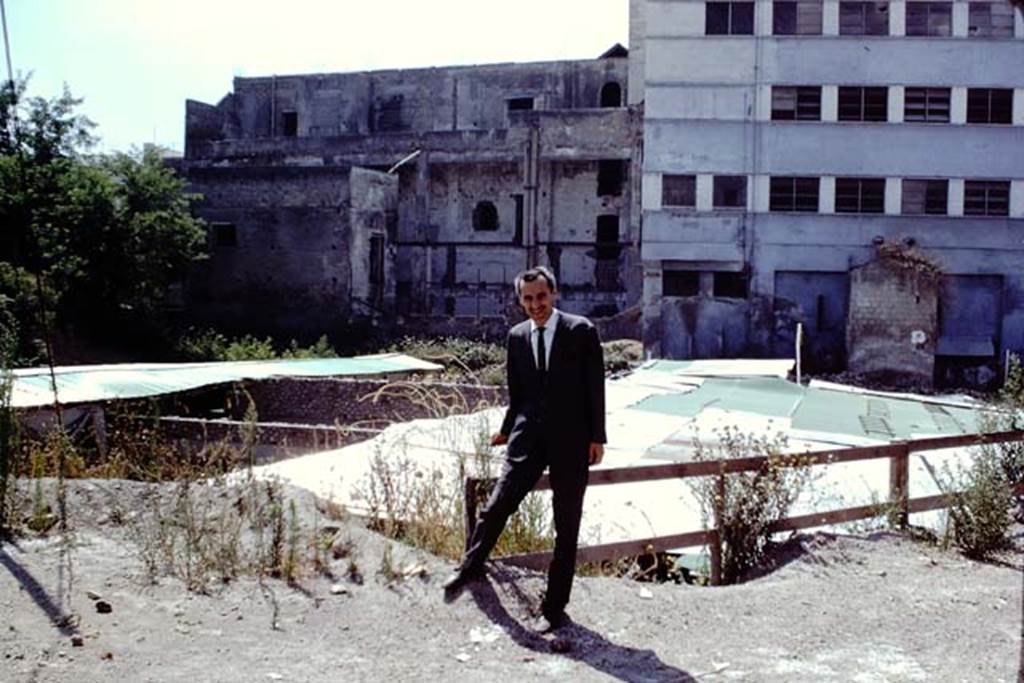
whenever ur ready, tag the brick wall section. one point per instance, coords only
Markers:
(893, 324)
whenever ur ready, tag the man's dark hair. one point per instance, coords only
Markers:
(536, 273)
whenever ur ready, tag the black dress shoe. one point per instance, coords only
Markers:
(459, 578)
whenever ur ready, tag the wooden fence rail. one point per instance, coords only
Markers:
(897, 453)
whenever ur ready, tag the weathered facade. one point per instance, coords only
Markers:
(498, 167)
(784, 140)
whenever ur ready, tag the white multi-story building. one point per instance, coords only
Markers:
(785, 140)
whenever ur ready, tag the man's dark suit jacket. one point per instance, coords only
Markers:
(565, 408)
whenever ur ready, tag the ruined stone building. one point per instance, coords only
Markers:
(785, 141)
(413, 196)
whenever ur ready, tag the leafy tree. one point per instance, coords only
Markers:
(95, 239)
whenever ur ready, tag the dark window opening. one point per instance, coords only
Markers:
(485, 216)
(611, 174)
(391, 224)
(289, 123)
(451, 262)
(990, 105)
(606, 274)
(796, 18)
(449, 305)
(678, 190)
(796, 103)
(225, 235)
(680, 283)
(730, 285)
(377, 259)
(987, 198)
(729, 18)
(863, 18)
(929, 18)
(929, 105)
(608, 229)
(520, 104)
(730, 192)
(388, 115)
(793, 194)
(611, 95)
(863, 104)
(860, 195)
(929, 196)
(820, 312)
(517, 236)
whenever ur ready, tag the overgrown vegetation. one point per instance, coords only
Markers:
(746, 505)
(210, 345)
(464, 360)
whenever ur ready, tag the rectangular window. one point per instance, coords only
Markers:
(520, 104)
(863, 104)
(730, 192)
(863, 18)
(796, 18)
(611, 174)
(224, 234)
(930, 105)
(987, 198)
(606, 274)
(930, 19)
(990, 20)
(730, 285)
(801, 103)
(860, 195)
(793, 194)
(289, 124)
(729, 18)
(376, 259)
(680, 283)
(929, 197)
(678, 190)
(990, 105)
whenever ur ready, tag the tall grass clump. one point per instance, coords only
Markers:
(747, 505)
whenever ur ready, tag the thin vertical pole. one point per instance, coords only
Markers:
(716, 532)
(469, 506)
(799, 344)
(899, 485)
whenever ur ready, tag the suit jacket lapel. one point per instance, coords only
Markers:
(558, 344)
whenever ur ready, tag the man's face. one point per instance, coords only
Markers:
(537, 300)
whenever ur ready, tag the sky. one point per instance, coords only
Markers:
(135, 62)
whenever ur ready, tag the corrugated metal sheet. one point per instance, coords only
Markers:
(89, 383)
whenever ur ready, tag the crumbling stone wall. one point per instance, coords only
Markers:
(893, 323)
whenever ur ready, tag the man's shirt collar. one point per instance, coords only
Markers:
(550, 324)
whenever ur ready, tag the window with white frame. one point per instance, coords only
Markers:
(729, 18)
(796, 18)
(796, 103)
(925, 196)
(989, 105)
(987, 198)
(990, 20)
(863, 103)
(928, 105)
(860, 195)
(929, 18)
(863, 18)
(791, 193)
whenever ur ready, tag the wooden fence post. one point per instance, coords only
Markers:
(716, 533)
(469, 507)
(899, 485)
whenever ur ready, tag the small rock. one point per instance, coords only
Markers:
(92, 595)
(338, 589)
(103, 607)
(275, 677)
(646, 594)
(463, 657)
(109, 656)
(77, 641)
(184, 630)
(561, 645)
(882, 573)
(61, 653)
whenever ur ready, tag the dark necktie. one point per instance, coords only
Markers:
(542, 361)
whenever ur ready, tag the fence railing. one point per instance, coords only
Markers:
(897, 453)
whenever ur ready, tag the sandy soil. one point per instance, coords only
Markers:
(833, 608)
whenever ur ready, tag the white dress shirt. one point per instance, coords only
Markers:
(549, 337)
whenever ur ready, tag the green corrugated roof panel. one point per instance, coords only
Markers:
(78, 384)
(768, 396)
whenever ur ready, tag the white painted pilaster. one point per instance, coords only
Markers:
(829, 103)
(960, 19)
(895, 105)
(958, 105)
(893, 196)
(827, 194)
(705, 192)
(897, 18)
(956, 196)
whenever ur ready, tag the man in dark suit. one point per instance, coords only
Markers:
(555, 420)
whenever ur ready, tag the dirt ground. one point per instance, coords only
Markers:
(833, 608)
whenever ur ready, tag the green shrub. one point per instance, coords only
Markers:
(979, 514)
(210, 345)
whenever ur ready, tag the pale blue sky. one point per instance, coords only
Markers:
(135, 62)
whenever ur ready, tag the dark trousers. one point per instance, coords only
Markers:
(568, 473)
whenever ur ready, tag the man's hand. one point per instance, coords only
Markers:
(499, 439)
(596, 453)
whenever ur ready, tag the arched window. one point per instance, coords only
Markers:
(611, 95)
(485, 216)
